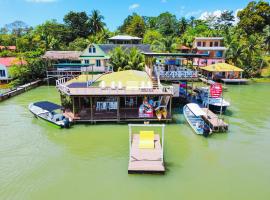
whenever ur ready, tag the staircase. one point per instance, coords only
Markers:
(155, 82)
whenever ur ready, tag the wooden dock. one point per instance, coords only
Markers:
(239, 81)
(208, 82)
(144, 159)
(216, 124)
(19, 90)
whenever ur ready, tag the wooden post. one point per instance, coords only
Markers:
(170, 107)
(118, 108)
(73, 105)
(91, 108)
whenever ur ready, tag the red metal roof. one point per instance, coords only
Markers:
(9, 61)
(8, 47)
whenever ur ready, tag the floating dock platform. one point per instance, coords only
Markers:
(146, 160)
(216, 124)
(239, 81)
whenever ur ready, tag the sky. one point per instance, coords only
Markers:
(34, 12)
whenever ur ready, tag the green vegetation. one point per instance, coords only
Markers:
(248, 41)
(126, 60)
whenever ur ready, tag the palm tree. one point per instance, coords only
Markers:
(167, 44)
(96, 22)
(135, 60)
(118, 59)
(266, 39)
(236, 53)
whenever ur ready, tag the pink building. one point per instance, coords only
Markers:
(212, 46)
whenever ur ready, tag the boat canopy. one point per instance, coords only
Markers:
(49, 106)
(195, 109)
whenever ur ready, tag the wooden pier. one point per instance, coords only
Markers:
(146, 160)
(19, 90)
(216, 124)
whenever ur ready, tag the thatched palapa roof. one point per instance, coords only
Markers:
(62, 55)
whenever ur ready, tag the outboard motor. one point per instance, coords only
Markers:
(206, 131)
(66, 123)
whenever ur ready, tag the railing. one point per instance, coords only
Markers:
(168, 90)
(61, 81)
(175, 74)
(178, 74)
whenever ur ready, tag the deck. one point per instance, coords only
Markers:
(216, 124)
(97, 91)
(125, 115)
(146, 160)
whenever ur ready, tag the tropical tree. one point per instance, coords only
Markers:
(136, 26)
(79, 44)
(167, 44)
(183, 24)
(151, 36)
(96, 22)
(100, 37)
(167, 24)
(135, 60)
(78, 23)
(133, 25)
(266, 39)
(118, 59)
(255, 17)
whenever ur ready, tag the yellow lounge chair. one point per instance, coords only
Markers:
(147, 140)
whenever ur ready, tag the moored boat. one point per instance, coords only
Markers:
(193, 114)
(217, 105)
(49, 111)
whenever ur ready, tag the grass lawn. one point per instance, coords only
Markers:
(261, 80)
(128, 78)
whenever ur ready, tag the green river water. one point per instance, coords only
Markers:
(38, 161)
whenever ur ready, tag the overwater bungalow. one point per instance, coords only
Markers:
(223, 72)
(119, 96)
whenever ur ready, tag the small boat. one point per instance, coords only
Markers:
(193, 114)
(217, 105)
(48, 111)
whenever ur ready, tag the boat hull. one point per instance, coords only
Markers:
(44, 116)
(217, 109)
(197, 130)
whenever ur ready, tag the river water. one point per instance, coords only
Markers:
(38, 161)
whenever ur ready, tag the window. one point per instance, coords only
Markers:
(199, 44)
(98, 63)
(219, 54)
(216, 44)
(86, 61)
(92, 49)
(2, 73)
(204, 44)
(211, 44)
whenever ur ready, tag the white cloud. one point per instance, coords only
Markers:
(206, 15)
(41, 1)
(134, 6)
(217, 13)
(235, 16)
